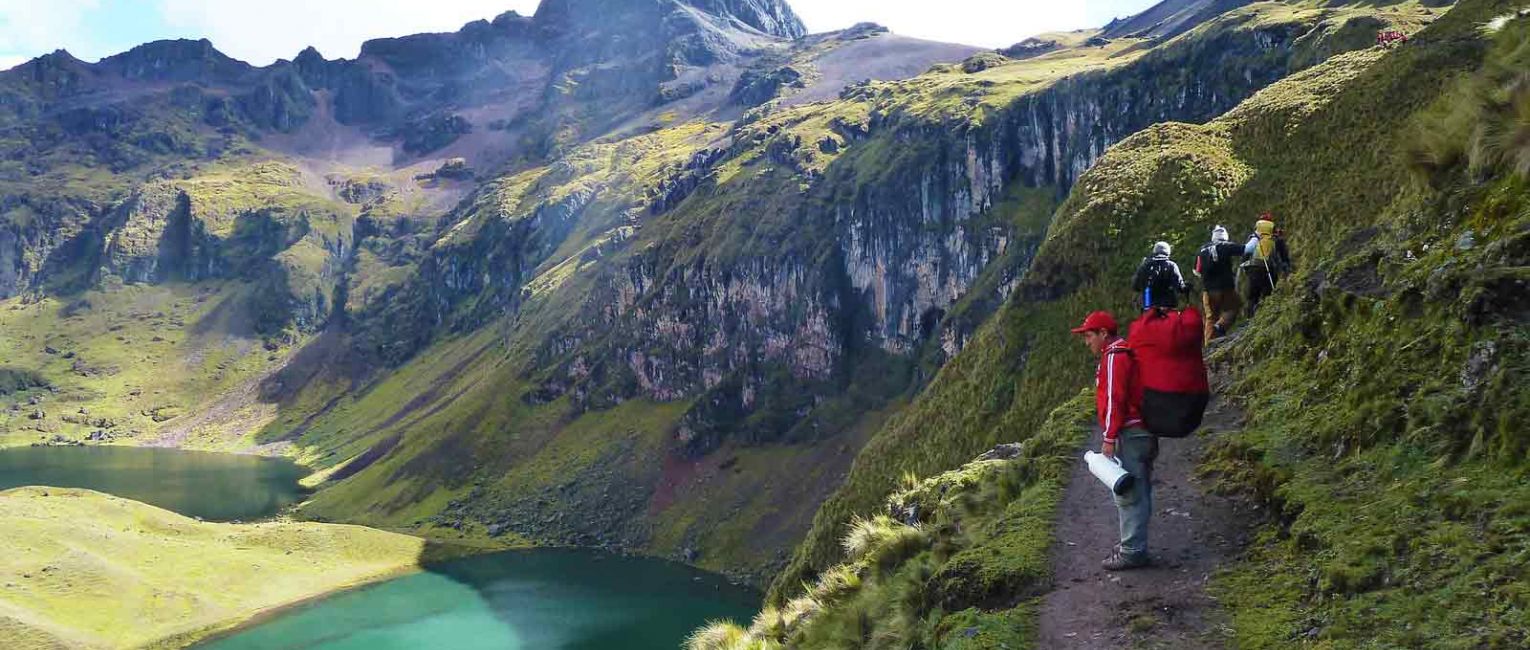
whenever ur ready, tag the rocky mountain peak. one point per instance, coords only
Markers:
(768, 17)
(309, 54)
(176, 60)
(774, 17)
(52, 75)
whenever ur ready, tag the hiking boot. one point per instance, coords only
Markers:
(1119, 561)
(1217, 331)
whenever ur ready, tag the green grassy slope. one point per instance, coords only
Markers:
(131, 363)
(88, 570)
(1411, 254)
(955, 563)
(1387, 385)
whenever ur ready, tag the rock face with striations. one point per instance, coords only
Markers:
(873, 262)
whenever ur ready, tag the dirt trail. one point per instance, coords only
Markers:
(1193, 534)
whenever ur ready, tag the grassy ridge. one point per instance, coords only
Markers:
(1387, 385)
(87, 570)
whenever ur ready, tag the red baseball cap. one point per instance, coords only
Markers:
(1100, 320)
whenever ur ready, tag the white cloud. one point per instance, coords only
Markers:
(265, 30)
(29, 27)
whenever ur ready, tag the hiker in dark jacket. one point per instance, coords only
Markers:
(1159, 281)
(1118, 402)
(1219, 281)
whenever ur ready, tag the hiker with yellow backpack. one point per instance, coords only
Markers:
(1266, 261)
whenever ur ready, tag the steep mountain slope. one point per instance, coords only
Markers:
(652, 292)
(763, 310)
(920, 440)
(1383, 382)
(291, 194)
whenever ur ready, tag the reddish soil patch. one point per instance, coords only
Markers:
(677, 473)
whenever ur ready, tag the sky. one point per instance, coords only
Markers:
(265, 30)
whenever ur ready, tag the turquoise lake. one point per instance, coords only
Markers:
(524, 600)
(521, 600)
(215, 487)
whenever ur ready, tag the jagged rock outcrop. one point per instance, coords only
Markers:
(155, 241)
(180, 60)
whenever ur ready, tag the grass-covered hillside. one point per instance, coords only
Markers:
(203, 284)
(88, 570)
(1384, 383)
(952, 561)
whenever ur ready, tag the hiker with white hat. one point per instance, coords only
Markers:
(1219, 283)
(1158, 279)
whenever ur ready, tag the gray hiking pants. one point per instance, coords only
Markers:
(1137, 450)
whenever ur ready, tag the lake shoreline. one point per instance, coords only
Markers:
(568, 599)
(229, 628)
(81, 555)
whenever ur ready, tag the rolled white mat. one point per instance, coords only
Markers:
(1109, 471)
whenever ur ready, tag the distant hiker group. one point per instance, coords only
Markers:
(1390, 38)
(1266, 259)
(1154, 384)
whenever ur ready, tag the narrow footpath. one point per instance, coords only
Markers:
(1193, 534)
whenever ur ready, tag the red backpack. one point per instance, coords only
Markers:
(1175, 388)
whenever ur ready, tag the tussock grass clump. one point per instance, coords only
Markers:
(1483, 124)
(883, 541)
(836, 583)
(802, 609)
(718, 635)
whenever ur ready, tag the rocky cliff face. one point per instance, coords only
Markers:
(852, 259)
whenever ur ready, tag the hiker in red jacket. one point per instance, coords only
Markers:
(1118, 400)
